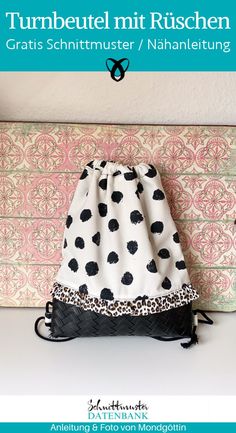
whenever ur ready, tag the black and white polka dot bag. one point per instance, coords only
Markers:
(123, 270)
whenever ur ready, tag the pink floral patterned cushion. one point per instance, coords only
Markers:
(40, 165)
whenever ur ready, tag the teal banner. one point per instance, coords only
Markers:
(118, 427)
(126, 35)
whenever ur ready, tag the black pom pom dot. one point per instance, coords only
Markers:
(102, 209)
(130, 175)
(151, 172)
(84, 174)
(97, 238)
(127, 279)
(158, 195)
(103, 164)
(151, 266)
(136, 217)
(113, 225)
(166, 283)
(73, 265)
(164, 253)
(140, 188)
(69, 221)
(65, 243)
(176, 238)
(132, 247)
(106, 294)
(141, 298)
(90, 164)
(79, 242)
(83, 289)
(85, 215)
(103, 184)
(91, 268)
(180, 265)
(117, 196)
(112, 257)
(157, 227)
(117, 172)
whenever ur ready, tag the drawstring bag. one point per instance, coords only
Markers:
(122, 270)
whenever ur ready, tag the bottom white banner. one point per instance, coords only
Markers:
(107, 409)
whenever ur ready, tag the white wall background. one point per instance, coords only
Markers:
(167, 97)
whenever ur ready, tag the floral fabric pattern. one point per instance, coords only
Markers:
(40, 165)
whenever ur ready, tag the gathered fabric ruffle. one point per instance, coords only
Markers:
(141, 306)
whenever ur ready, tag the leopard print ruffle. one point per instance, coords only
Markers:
(141, 306)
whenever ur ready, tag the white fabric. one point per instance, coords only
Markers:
(152, 265)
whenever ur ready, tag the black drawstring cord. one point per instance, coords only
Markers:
(192, 341)
(194, 337)
(47, 321)
(56, 340)
(208, 321)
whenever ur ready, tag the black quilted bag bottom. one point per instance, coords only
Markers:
(71, 321)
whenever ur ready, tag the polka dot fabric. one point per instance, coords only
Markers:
(121, 248)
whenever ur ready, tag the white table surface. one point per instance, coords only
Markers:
(118, 365)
